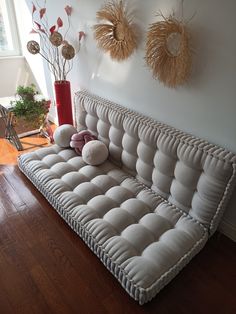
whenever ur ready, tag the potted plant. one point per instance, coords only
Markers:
(29, 111)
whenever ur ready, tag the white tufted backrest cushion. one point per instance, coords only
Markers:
(196, 176)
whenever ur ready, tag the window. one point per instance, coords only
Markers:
(9, 42)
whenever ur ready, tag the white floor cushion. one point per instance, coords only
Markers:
(140, 237)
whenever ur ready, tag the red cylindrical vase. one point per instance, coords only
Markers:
(63, 102)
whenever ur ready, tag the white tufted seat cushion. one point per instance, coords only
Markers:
(140, 233)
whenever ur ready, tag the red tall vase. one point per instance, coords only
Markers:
(63, 102)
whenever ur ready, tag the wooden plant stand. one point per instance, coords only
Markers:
(10, 133)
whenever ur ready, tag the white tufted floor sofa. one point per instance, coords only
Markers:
(149, 209)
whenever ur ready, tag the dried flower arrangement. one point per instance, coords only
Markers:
(116, 35)
(53, 46)
(168, 52)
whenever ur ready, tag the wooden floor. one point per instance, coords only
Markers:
(8, 153)
(46, 268)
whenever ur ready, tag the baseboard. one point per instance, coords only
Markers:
(228, 229)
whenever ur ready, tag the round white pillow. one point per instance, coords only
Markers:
(94, 153)
(63, 133)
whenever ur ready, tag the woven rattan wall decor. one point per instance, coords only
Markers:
(115, 33)
(168, 51)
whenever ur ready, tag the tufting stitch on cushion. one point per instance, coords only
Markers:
(150, 208)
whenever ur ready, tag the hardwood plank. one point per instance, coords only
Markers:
(6, 306)
(51, 294)
(15, 278)
(9, 154)
(7, 194)
(22, 257)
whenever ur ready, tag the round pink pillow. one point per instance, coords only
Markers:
(78, 140)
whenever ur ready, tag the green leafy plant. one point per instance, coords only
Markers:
(26, 92)
(28, 107)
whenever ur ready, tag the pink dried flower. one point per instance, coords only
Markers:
(33, 8)
(42, 12)
(39, 26)
(33, 31)
(48, 104)
(59, 22)
(81, 35)
(52, 29)
(68, 10)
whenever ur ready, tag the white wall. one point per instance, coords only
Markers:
(205, 106)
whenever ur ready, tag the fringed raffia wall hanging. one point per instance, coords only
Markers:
(168, 51)
(115, 34)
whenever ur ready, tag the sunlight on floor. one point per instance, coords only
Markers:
(9, 154)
